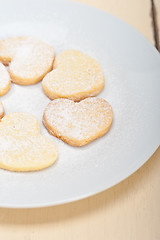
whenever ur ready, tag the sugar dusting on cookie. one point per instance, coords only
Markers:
(78, 123)
(1, 110)
(75, 76)
(22, 147)
(8, 48)
(5, 81)
(30, 59)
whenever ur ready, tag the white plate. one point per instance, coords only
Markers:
(132, 74)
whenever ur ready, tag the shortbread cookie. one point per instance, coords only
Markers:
(1, 110)
(78, 123)
(75, 76)
(8, 48)
(22, 147)
(30, 59)
(5, 82)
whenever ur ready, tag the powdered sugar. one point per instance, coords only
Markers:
(83, 121)
(4, 80)
(8, 48)
(75, 76)
(22, 148)
(1, 110)
(30, 58)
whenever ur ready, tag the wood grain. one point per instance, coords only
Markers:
(129, 210)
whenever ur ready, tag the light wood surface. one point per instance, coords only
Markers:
(129, 210)
(135, 12)
(157, 21)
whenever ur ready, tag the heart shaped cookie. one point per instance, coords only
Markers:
(75, 76)
(1, 110)
(22, 147)
(8, 48)
(5, 82)
(78, 123)
(30, 59)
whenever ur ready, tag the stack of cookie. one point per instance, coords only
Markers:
(75, 115)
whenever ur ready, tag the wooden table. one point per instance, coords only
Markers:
(128, 211)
